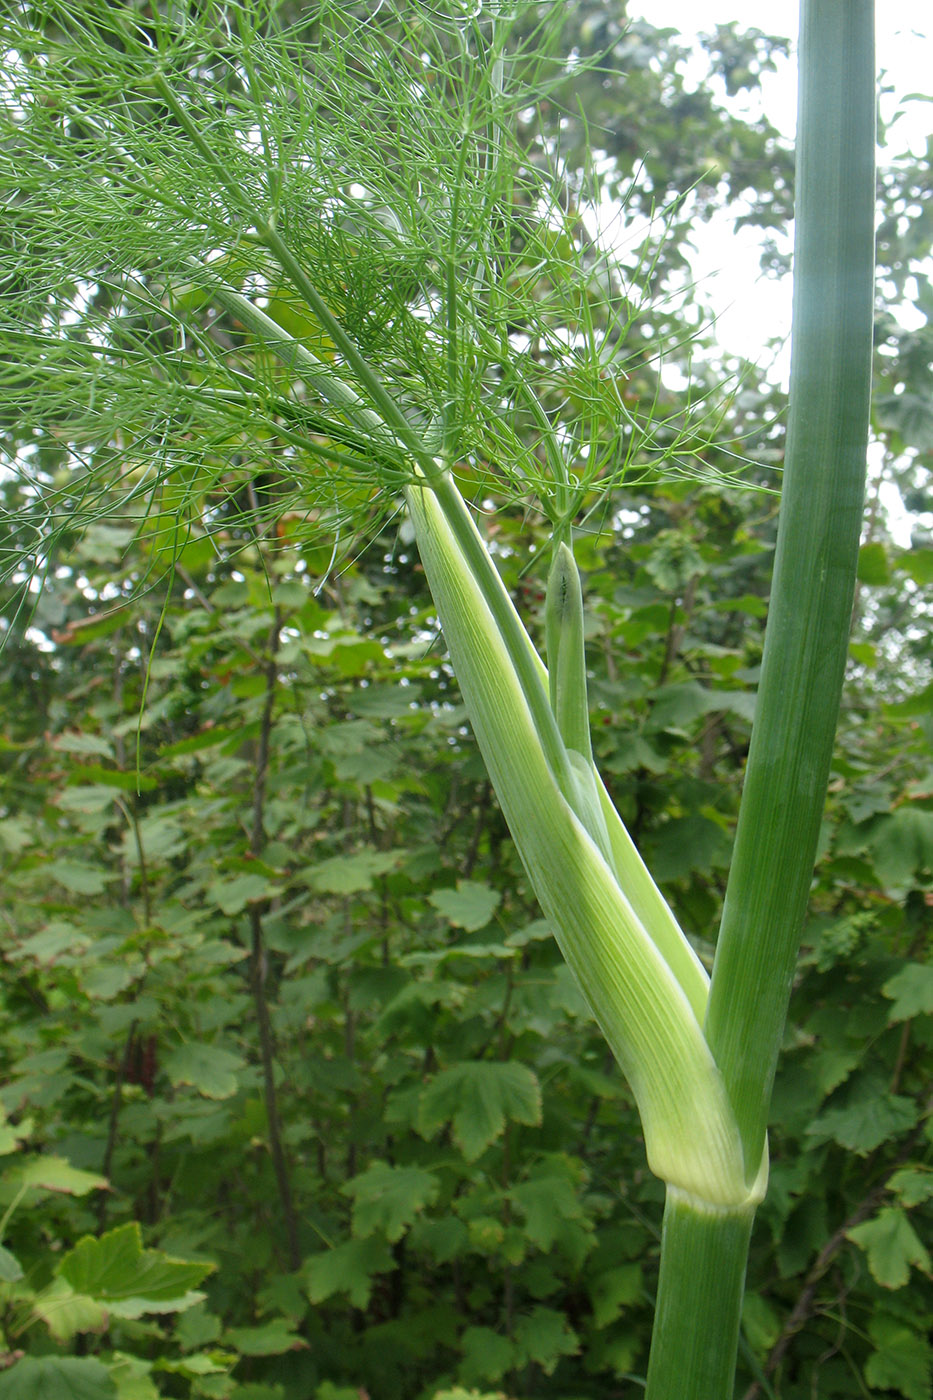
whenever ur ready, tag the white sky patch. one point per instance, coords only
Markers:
(750, 308)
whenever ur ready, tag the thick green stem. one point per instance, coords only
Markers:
(817, 549)
(703, 1252)
(702, 1280)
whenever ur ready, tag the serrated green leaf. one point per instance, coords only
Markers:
(478, 1098)
(232, 895)
(197, 1327)
(912, 1184)
(76, 876)
(272, 1339)
(613, 1290)
(543, 1336)
(131, 1375)
(687, 844)
(57, 1378)
(832, 1065)
(458, 1393)
(487, 1234)
(538, 931)
(903, 1359)
(434, 956)
(55, 1174)
(207, 1068)
(387, 1198)
(386, 701)
(892, 1245)
(55, 940)
(901, 846)
(547, 1202)
(66, 1313)
(676, 707)
(913, 707)
(83, 744)
(619, 1352)
(195, 743)
(105, 981)
(444, 1239)
(486, 1355)
(864, 654)
(749, 603)
(470, 906)
(129, 1280)
(911, 990)
(861, 1126)
(199, 1363)
(15, 835)
(350, 874)
(348, 1268)
(85, 799)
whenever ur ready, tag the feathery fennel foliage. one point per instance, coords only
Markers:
(318, 252)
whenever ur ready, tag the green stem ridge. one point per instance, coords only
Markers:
(699, 1302)
(814, 577)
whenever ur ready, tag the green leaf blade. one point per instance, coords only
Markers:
(117, 1271)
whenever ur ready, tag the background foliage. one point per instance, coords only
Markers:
(299, 1099)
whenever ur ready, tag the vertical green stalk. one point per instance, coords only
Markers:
(700, 1290)
(817, 550)
(802, 670)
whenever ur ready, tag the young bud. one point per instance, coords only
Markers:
(566, 659)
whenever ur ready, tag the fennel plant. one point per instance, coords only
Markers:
(319, 251)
